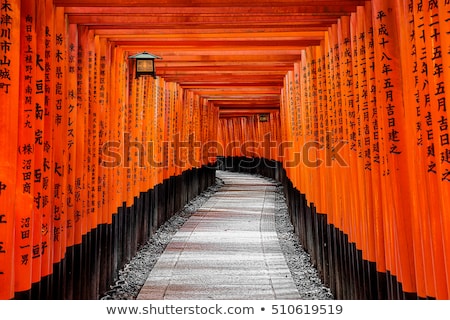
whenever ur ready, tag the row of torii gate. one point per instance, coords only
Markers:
(344, 101)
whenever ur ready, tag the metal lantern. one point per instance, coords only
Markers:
(145, 64)
(263, 117)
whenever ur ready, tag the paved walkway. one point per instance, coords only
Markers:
(227, 250)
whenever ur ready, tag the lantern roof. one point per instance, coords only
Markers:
(144, 55)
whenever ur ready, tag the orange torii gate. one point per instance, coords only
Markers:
(344, 102)
(396, 142)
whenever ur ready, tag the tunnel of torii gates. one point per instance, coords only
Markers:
(343, 102)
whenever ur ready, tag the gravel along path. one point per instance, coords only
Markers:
(134, 274)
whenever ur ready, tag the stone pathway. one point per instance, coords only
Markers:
(227, 250)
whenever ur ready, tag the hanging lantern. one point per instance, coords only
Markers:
(145, 64)
(263, 117)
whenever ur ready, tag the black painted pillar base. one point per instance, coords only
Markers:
(91, 267)
(339, 262)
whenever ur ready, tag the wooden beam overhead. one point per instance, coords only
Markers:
(320, 4)
(336, 7)
(235, 53)
(225, 32)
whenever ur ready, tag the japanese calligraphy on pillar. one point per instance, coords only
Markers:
(103, 130)
(444, 26)
(135, 109)
(145, 134)
(396, 176)
(335, 92)
(79, 191)
(331, 88)
(362, 88)
(196, 133)
(348, 122)
(128, 155)
(100, 130)
(159, 98)
(421, 74)
(314, 96)
(322, 123)
(444, 17)
(369, 71)
(322, 97)
(41, 194)
(426, 68)
(371, 89)
(314, 115)
(26, 149)
(7, 38)
(58, 105)
(9, 92)
(122, 121)
(420, 129)
(306, 90)
(167, 128)
(298, 101)
(292, 109)
(389, 86)
(46, 110)
(71, 135)
(433, 67)
(152, 115)
(92, 134)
